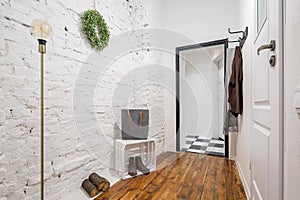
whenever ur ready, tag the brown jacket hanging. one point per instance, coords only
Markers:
(235, 86)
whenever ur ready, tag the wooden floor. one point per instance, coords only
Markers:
(182, 176)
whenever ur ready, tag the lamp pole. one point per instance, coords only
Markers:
(42, 30)
(42, 51)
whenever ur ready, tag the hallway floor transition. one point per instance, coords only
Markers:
(203, 145)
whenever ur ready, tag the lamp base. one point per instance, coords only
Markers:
(42, 45)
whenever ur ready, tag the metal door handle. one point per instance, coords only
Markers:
(270, 46)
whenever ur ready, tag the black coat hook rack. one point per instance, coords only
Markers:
(242, 39)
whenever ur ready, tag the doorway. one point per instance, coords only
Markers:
(201, 97)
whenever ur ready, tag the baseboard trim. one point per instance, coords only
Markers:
(246, 187)
(230, 157)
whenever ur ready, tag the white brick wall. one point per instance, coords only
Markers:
(68, 148)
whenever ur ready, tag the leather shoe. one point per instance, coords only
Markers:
(132, 167)
(140, 165)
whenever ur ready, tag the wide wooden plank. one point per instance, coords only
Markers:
(210, 176)
(182, 176)
(220, 179)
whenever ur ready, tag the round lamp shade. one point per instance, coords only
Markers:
(41, 29)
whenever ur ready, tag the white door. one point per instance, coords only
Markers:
(266, 124)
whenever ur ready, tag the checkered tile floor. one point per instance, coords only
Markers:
(203, 145)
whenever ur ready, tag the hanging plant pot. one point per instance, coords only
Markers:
(95, 28)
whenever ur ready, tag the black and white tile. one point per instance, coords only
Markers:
(204, 145)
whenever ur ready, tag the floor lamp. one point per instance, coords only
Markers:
(42, 30)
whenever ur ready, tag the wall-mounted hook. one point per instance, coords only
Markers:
(241, 40)
(234, 32)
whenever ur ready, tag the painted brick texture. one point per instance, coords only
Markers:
(72, 149)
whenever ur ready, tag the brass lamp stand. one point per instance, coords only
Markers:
(42, 30)
(42, 51)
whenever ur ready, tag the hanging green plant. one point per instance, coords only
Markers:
(95, 28)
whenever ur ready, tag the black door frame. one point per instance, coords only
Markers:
(177, 60)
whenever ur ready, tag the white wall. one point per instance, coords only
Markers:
(292, 119)
(73, 149)
(243, 151)
(201, 20)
